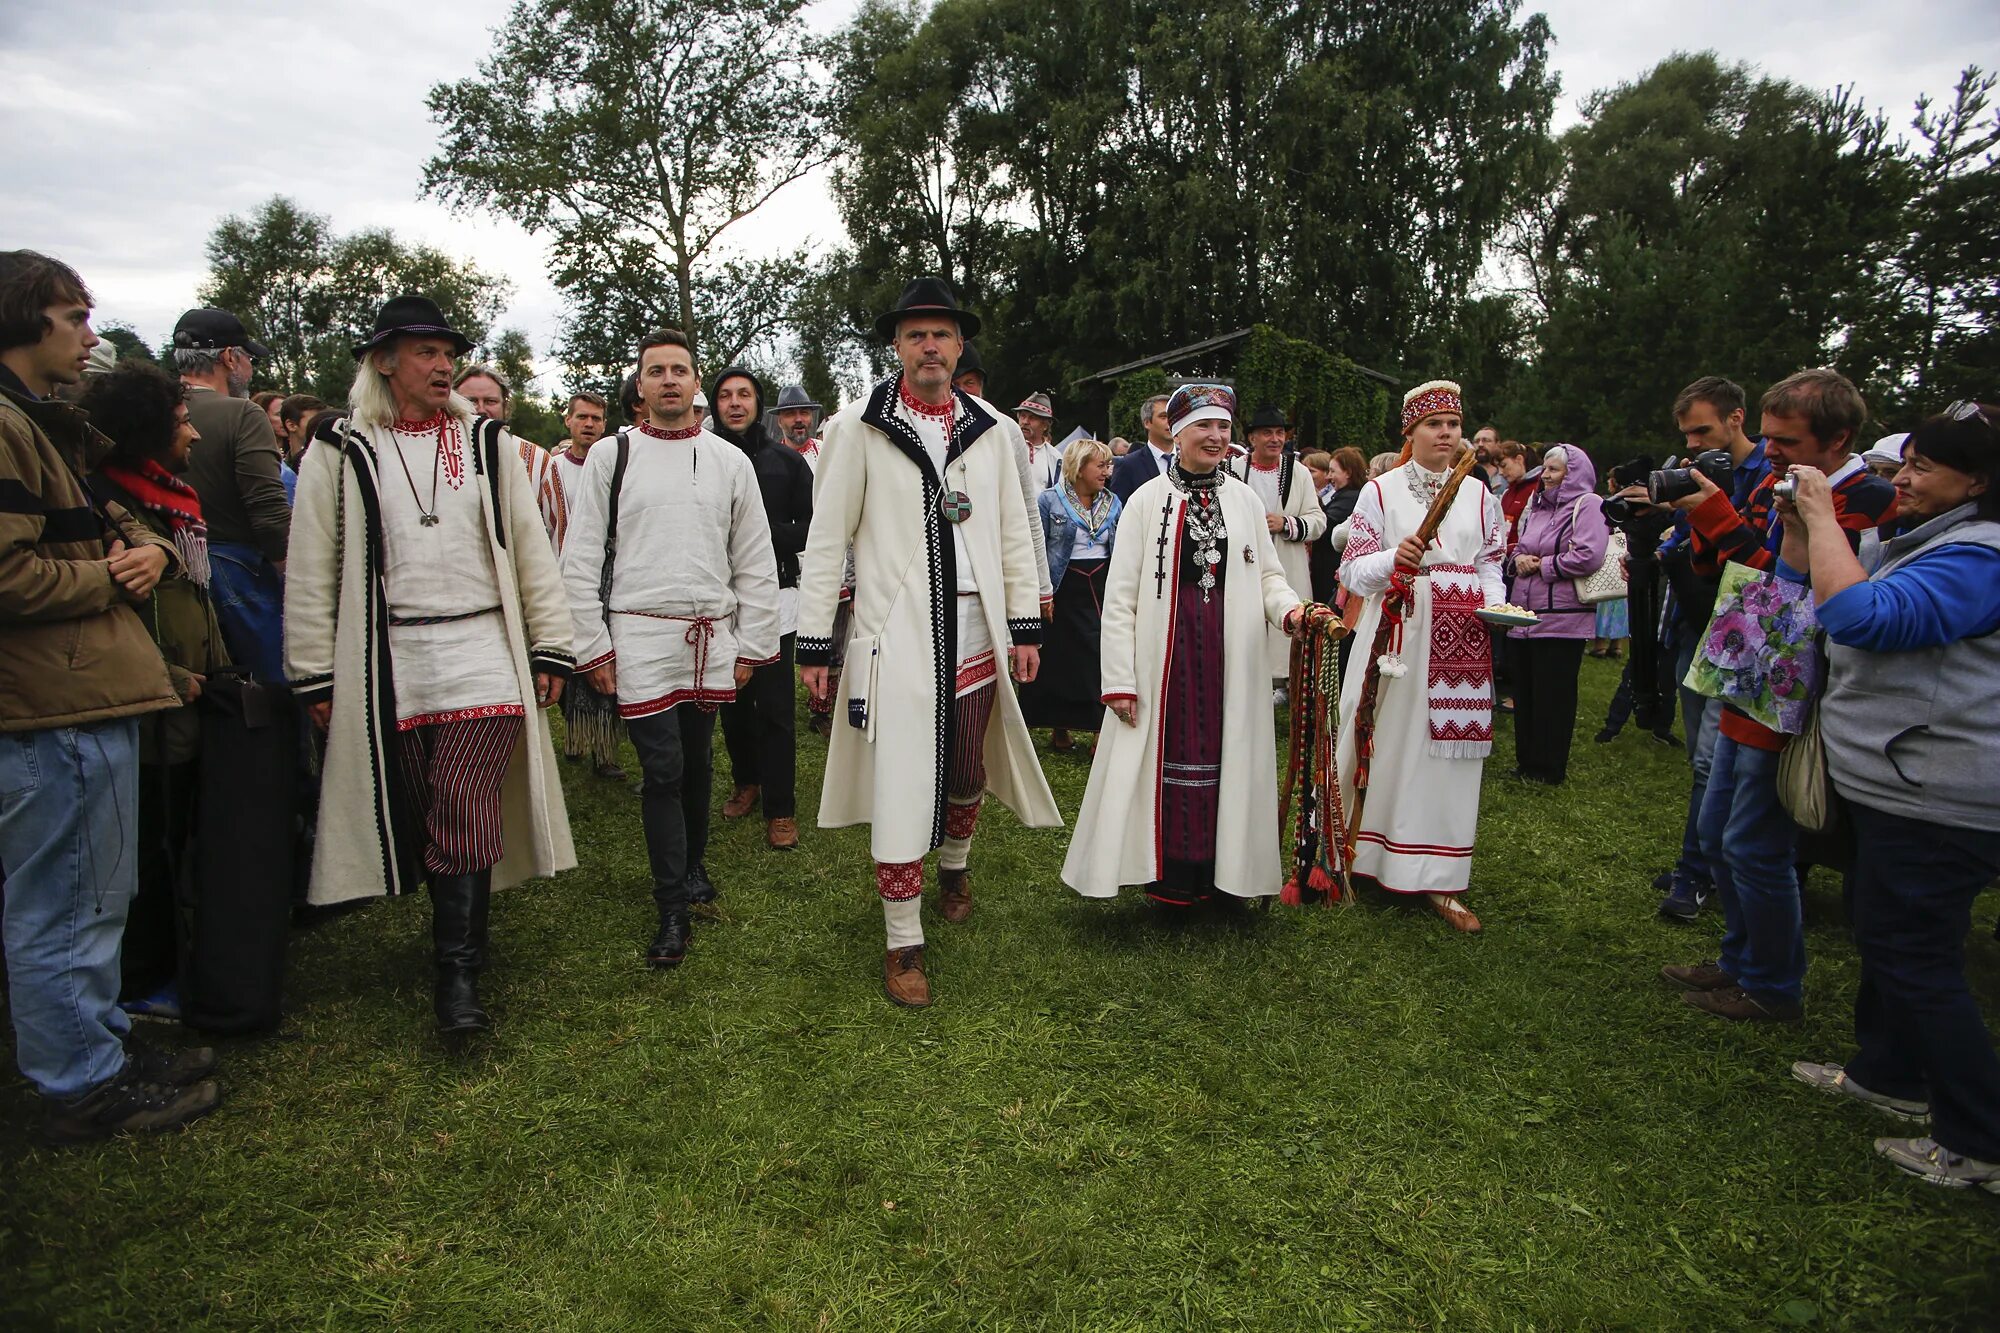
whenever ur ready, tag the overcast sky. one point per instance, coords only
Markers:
(133, 125)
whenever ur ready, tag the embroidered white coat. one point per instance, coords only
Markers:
(876, 489)
(1117, 838)
(1296, 499)
(336, 645)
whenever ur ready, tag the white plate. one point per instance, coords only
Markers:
(1507, 618)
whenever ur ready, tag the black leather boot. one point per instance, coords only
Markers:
(670, 945)
(459, 906)
(701, 891)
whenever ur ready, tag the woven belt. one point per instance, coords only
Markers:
(395, 619)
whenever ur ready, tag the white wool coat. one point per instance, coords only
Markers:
(876, 489)
(1117, 837)
(337, 646)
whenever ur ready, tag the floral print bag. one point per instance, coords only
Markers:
(1759, 652)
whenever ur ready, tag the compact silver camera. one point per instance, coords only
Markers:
(1786, 489)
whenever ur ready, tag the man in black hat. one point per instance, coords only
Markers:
(425, 630)
(758, 727)
(971, 376)
(924, 482)
(1292, 513)
(235, 470)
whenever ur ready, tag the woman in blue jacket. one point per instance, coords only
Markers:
(1913, 746)
(1079, 522)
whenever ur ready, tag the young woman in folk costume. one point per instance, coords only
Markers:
(1433, 712)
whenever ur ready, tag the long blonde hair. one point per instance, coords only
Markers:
(370, 401)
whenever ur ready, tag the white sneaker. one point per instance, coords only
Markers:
(1939, 1165)
(1832, 1078)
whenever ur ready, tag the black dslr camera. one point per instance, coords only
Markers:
(1676, 483)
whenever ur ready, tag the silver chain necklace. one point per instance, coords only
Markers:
(1425, 485)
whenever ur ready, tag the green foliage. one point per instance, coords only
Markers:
(1114, 1117)
(1131, 394)
(1332, 169)
(633, 135)
(311, 295)
(1330, 401)
(131, 347)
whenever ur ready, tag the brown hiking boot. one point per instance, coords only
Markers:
(903, 979)
(1739, 1006)
(1704, 975)
(782, 834)
(126, 1105)
(954, 894)
(741, 804)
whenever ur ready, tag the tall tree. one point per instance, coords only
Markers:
(1703, 220)
(636, 135)
(309, 294)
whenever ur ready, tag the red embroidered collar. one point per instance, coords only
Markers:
(1259, 467)
(424, 427)
(684, 433)
(942, 412)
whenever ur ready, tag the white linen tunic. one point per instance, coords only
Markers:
(1294, 500)
(460, 667)
(1422, 812)
(694, 588)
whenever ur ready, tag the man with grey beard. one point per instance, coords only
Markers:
(235, 471)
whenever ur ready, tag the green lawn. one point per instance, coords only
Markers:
(1288, 1119)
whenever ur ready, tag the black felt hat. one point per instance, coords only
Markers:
(969, 361)
(413, 316)
(927, 296)
(1267, 415)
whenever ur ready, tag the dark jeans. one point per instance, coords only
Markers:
(1910, 898)
(761, 734)
(1700, 718)
(675, 766)
(1545, 705)
(157, 927)
(1748, 840)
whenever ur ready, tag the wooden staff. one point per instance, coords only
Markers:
(1371, 682)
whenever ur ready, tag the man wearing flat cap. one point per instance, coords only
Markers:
(235, 469)
(923, 481)
(426, 629)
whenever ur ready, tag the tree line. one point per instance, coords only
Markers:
(1111, 178)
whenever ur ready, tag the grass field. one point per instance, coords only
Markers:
(1285, 1119)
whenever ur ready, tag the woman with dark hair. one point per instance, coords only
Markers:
(1913, 748)
(144, 411)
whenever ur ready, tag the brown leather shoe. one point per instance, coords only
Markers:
(903, 979)
(1697, 977)
(1461, 917)
(954, 894)
(1733, 1003)
(740, 804)
(782, 834)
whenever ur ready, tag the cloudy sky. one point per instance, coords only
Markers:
(132, 125)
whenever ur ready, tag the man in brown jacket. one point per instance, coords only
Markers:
(77, 668)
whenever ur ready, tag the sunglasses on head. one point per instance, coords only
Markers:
(1965, 410)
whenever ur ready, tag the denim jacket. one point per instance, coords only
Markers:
(1059, 531)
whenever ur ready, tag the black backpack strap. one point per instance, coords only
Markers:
(611, 523)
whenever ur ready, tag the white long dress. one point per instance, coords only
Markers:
(1422, 812)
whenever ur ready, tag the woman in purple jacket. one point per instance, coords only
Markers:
(1563, 536)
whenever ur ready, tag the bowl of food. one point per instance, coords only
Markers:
(1507, 615)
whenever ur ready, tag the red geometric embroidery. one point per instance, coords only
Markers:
(960, 820)
(1461, 648)
(898, 882)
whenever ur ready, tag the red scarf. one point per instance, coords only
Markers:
(161, 492)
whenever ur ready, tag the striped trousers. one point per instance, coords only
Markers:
(454, 772)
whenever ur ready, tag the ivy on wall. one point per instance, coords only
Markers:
(1330, 401)
(1133, 390)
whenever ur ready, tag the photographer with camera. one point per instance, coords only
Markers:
(1810, 419)
(1913, 748)
(1709, 415)
(1643, 691)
